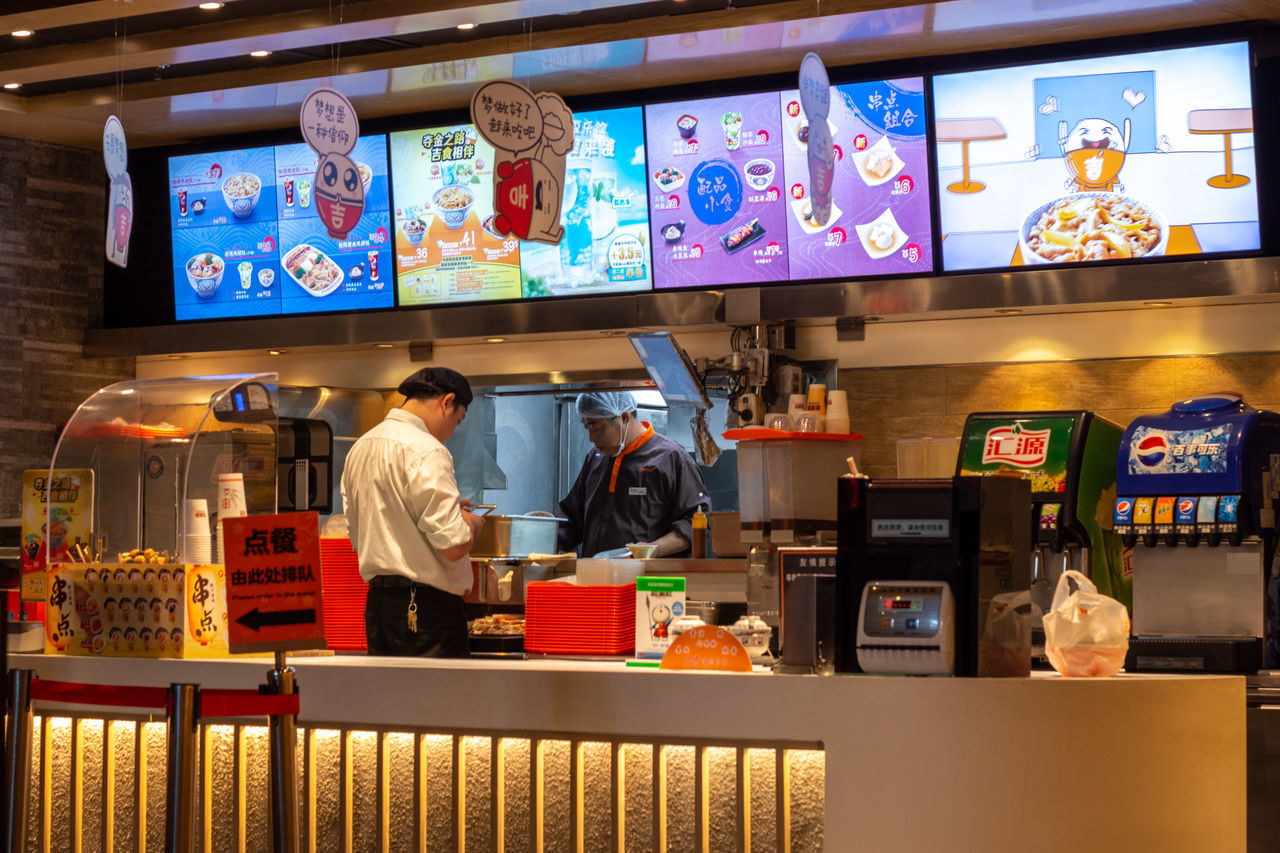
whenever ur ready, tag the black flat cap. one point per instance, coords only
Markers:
(436, 382)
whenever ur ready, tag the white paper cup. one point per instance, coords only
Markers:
(195, 519)
(795, 406)
(837, 403)
(231, 500)
(837, 423)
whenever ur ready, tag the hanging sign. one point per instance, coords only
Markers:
(815, 100)
(532, 135)
(115, 154)
(331, 128)
(274, 600)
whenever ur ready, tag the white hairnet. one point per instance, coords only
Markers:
(605, 404)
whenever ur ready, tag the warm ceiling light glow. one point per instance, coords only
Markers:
(1008, 312)
(495, 340)
(22, 33)
(276, 351)
(259, 53)
(12, 85)
(1158, 303)
(210, 6)
(466, 26)
(384, 346)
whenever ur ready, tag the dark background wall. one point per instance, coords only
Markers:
(52, 232)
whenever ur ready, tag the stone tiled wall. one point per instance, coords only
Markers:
(52, 225)
(886, 404)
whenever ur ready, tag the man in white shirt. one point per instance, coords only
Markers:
(411, 529)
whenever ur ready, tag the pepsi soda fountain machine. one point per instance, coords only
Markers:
(1068, 457)
(932, 576)
(1195, 489)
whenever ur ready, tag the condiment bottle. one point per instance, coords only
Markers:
(699, 544)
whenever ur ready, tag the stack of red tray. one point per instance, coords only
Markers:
(566, 619)
(344, 594)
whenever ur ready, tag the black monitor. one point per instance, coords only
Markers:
(670, 368)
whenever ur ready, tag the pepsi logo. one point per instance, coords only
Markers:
(1123, 506)
(1152, 450)
(1186, 505)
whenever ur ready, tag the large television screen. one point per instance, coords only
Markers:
(879, 220)
(1102, 159)
(247, 240)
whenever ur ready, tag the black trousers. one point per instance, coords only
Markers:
(442, 620)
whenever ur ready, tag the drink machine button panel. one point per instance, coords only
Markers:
(1122, 517)
(907, 627)
(1184, 520)
(1163, 519)
(1144, 519)
(1207, 518)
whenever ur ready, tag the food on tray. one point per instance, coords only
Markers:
(241, 185)
(807, 215)
(205, 266)
(881, 236)
(668, 178)
(687, 125)
(453, 198)
(742, 235)
(672, 232)
(802, 133)
(488, 225)
(366, 174)
(498, 623)
(312, 269)
(759, 173)
(1094, 228)
(356, 272)
(878, 163)
(197, 206)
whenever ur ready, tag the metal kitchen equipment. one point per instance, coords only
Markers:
(517, 536)
(1069, 459)
(1195, 490)
(904, 546)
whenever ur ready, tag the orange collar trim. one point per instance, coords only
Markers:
(617, 460)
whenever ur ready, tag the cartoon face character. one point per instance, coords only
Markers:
(527, 200)
(339, 194)
(660, 619)
(1095, 150)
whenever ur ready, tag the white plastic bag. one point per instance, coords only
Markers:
(1085, 633)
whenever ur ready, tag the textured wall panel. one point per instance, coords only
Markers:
(597, 796)
(91, 775)
(324, 785)
(399, 771)
(761, 769)
(517, 796)
(557, 813)
(156, 748)
(437, 781)
(681, 777)
(808, 770)
(362, 757)
(122, 737)
(721, 797)
(58, 784)
(221, 805)
(637, 782)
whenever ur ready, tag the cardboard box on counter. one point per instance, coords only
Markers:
(144, 610)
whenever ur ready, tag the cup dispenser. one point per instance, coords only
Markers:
(933, 576)
(1196, 488)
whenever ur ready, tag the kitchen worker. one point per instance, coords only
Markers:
(410, 528)
(635, 486)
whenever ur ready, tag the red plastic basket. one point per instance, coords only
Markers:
(566, 619)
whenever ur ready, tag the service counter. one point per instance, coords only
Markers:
(569, 755)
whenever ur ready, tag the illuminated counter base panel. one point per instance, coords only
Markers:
(481, 755)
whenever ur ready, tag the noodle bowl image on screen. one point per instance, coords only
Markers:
(1092, 226)
(241, 192)
(453, 203)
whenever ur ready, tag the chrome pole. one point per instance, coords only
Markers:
(184, 719)
(284, 762)
(18, 748)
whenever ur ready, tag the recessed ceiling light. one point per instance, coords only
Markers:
(384, 346)
(467, 26)
(495, 340)
(21, 34)
(1008, 312)
(12, 85)
(259, 53)
(276, 351)
(211, 6)
(1158, 303)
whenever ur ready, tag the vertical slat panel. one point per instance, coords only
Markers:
(256, 741)
(701, 808)
(575, 797)
(764, 804)
(557, 813)
(682, 818)
(157, 750)
(363, 792)
(440, 806)
(140, 786)
(518, 797)
(806, 773)
(497, 795)
(742, 789)
(326, 791)
(537, 773)
(383, 799)
(58, 785)
(660, 798)
(596, 804)
(782, 788)
(618, 798)
(479, 795)
(721, 798)
(35, 798)
(399, 805)
(92, 785)
(75, 807)
(420, 789)
(241, 789)
(640, 783)
(110, 735)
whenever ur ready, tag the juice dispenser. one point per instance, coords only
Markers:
(1195, 492)
(932, 576)
(1068, 458)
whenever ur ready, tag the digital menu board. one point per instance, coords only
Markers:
(879, 219)
(446, 247)
(604, 213)
(717, 206)
(1101, 159)
(247, 240)
(317, 272)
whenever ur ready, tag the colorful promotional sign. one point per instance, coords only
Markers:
(1191, 451)
(330, 127)
(274, 599)
(707, 648)
(447, 247)
(1037, 448)
(530, 134)
(1109, 158)
(115, 154)
(57, 514)
(717, 210)
(879, 218)
(604, 213)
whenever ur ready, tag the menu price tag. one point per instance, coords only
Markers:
(707, 648)
(274, 598)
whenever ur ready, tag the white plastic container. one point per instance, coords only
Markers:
(927, 457)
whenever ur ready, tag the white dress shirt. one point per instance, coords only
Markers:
(402, 504)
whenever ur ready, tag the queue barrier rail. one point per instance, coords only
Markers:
(184, 705)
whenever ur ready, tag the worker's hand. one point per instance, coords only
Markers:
(475, 522)
(466, 504)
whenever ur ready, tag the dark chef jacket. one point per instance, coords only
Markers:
(652, 487)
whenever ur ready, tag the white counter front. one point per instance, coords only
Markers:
(676, 761)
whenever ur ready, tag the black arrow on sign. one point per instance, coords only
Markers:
(256, 618)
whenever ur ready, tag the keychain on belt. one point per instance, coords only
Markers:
(413, 611)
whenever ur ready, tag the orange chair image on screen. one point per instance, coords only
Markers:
(964, 131)
(1225, 122)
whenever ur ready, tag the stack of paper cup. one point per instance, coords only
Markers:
(231, 504)
(817, 401)
(795, 407)
(837, 411)
(197, 542)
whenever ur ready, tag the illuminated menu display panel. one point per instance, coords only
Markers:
(879, 221)
(1103, 159)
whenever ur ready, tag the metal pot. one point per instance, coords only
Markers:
(707, 611)
(516, 536)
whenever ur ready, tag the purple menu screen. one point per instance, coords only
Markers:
(879, 219)
(717, 203)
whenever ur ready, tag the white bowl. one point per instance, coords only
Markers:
(1029, 256)
(762, 181)
(453, 217)
(205, 285)
(241, 203)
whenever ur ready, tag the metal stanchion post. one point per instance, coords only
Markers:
(18, 749)
(284, 762)
(179, 819)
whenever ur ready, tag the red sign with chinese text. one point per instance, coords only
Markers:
(274, 600)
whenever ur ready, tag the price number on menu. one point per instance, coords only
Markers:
(668, 203)
(687, 253)
(682, 147)
(510, 245)
(380, 236)
(760, 137)
(911, 252)
(765, 197)
(903, 185)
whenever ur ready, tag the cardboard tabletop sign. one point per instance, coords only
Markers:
(331, 128)
(115, 154)
(532, 134)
